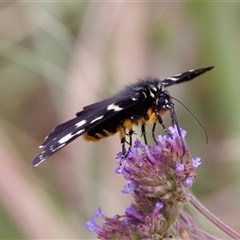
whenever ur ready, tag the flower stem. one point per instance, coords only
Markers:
(212, 218)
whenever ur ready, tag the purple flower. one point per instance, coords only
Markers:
(158, 206)
(196, 162)
(179, 167)
(157, 177)
(189, 181)
(130, 212)
(91, 225)
(129, 188)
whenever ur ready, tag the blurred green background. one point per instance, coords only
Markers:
(56, 57)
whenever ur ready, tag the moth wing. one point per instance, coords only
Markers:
(185, 76)
(87, 119)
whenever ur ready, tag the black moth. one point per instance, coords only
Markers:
(146, 100)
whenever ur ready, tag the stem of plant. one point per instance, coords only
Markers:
(212, 218)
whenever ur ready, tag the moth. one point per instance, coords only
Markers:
(136, 104)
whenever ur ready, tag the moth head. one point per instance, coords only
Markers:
(163, 100)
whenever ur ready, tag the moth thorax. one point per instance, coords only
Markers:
(154, 90)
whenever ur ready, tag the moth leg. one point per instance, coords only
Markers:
(153, 133)
(144, 134)
(122, 133)
(130, 133)
(123, 140)
(161, 122)
(173, 119)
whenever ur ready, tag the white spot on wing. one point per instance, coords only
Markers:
(173, 78)
(114, 107)
(68, 137)
(79, 124)
(65, 138)
(61, 146)
(96, 119)
(79, 132)
(178, 75)
(41, 160)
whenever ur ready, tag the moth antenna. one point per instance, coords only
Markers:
(194, 117)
